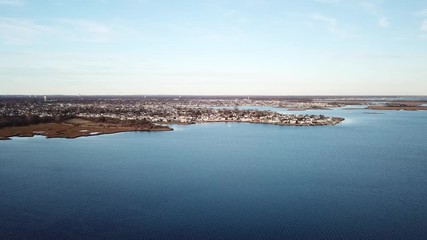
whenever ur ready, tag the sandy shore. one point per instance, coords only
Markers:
(74, 128)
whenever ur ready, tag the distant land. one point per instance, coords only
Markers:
(67, 116)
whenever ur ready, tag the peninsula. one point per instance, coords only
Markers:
(71, 117)
(79, 116)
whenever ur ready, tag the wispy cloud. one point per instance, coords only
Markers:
(86, 30)
(424, 26)
(328, 1)
(422, 13)
(16, 3)
(21, 31)
(375, 56)
(331, 23)
(88, 26)
(383, 22)
(372, 8)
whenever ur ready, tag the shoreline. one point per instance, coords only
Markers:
(76, 128)
(337, 120)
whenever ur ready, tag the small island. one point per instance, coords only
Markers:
(411, 106)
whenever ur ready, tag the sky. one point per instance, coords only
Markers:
(213, 47)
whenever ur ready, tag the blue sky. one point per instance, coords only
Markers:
(245, 47)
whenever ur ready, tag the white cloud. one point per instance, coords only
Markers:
(328, 1)
(372, 9)
(83, 30)
(330, 22)
(88, 26)
(383, 22)
(424, 26)
(16, 3)
(422, 13)
(21, 31)
(332, 26)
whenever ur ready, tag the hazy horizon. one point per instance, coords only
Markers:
(211, 95)
(243, 47)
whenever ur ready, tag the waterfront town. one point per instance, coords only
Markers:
(75, 116)
(153, 110)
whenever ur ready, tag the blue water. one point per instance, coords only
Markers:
(363, 179)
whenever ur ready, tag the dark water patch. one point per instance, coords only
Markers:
(363, 179)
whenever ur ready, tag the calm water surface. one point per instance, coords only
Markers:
(363, 179)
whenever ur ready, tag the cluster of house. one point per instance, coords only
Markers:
(170, 111)
(166, 115)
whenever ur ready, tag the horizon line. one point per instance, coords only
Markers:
(225, 95)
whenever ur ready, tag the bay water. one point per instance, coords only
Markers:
(365, 178)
